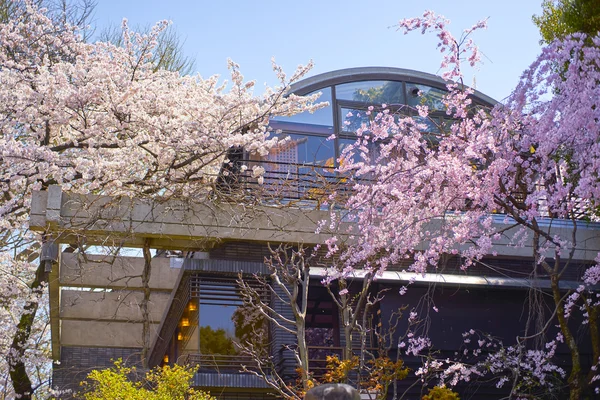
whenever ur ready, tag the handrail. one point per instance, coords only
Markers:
(217, 362)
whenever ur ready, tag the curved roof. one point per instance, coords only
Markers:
(376, 73)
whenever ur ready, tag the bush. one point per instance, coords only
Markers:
(161, 383)
(440, 393)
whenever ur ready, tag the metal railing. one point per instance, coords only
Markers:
(235, 362)
(282, 180)
(218, 362)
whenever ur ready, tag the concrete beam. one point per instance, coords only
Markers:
(116, 272)
(103, 334)
(171, 224)
(122, 305)
(183, 225)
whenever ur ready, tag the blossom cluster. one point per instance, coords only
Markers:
(483, 356)
(100, 118)
(491, 178)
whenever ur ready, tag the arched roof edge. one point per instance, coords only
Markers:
(375, 73)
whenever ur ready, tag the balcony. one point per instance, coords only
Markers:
(218, 362)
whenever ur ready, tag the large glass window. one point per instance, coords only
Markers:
(321, 117)
(322, 326)
(431, 123)
(422, 95)
(299, 164)
(303, 166)
(372, 92)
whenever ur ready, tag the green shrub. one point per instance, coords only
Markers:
(440, 393)
(161, 383)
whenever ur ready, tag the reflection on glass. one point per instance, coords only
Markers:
(318, 340)
(343, 144)
(447, 124)
(432, 125)
(322, 334)
(298, 151)
(217, 331)
(300, 164)
(323, 116)
(421, 95)
(375, 92)
(251, 326)
(352, 119)
(226, 321)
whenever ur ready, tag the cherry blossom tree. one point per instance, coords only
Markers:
(507, 174)
(100, 118)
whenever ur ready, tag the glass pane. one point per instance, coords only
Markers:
(375, 92)
(300, 166)
(343, 143)
(431, 124)
(323, 116)
(217, 330)
(303, 149)
(421, 95)
(351, 119)
(447, 124)
(319, 336)
(357, 155)
(225, 320)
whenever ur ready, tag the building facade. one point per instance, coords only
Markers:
(184, 306)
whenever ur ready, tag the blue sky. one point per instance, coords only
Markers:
(337, 34)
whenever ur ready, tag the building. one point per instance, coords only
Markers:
(105, 307)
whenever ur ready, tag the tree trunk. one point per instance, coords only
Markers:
(18, 373)
(595, 336)
(144, 305)
(594, 331)
(575, 378)
(303, 356)
(300, 317)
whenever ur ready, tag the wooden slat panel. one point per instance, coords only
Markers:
(115, 272)
(122, 305)
(229, 381)
(225, 267)
(103, 334)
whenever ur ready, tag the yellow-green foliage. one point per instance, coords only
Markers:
(384, 372)
(440, 393)
(338, 370)
(560, 18)
(166, 383)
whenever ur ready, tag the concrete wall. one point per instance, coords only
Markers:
(103, 333)
(116, 272)
(121, 305)
(111, 316)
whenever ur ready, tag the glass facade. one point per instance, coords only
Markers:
(372, 92)
(313, 142)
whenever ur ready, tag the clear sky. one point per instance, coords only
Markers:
(337, 34)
